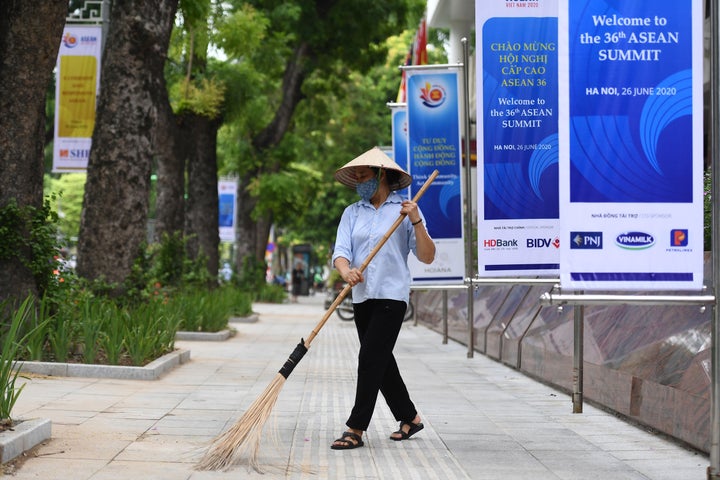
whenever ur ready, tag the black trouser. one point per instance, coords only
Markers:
(378, 324)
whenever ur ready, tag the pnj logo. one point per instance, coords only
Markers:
(678, 237)
(70, 40)
(586, 240)
(432, 95)
(635, 240)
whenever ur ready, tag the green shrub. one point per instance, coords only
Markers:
(271, 293)
(12, 345)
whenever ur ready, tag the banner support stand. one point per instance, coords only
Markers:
(713, 471)
(578, 332)
(468, 201)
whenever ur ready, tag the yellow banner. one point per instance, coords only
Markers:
(76, 101)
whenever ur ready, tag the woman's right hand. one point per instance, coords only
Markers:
(353, 276)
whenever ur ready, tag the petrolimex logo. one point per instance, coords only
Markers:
(678, 237)
(634, 240)
(586, 240)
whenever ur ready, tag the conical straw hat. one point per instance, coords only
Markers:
(372, 158)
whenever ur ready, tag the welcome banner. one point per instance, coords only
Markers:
(518, 200)
(631, 144)
(434, 143)
(76, 89)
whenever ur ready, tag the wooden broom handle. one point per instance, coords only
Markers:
(344, 292)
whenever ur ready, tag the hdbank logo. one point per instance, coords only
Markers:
(586, 240)
(432, 95)
(635, 240)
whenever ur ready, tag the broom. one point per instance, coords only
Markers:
(246, 433)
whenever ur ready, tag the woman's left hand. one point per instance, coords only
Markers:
(410, 209)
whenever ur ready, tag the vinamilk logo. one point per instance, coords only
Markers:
(70, 40)
(635, 240)
(432, 95)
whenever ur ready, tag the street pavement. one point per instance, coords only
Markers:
(483, 420)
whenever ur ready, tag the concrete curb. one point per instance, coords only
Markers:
(220, 336)
(151, 371)
(252, 318)
(23, 437)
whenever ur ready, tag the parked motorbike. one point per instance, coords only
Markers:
(345, 309)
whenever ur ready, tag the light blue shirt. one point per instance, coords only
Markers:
(361, 228)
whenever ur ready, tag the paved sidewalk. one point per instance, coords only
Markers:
(482, 420)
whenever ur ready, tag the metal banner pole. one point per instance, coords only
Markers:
(714, 468)
(468, 203)
(579, 327)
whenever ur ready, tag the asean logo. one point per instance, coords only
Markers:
(70, 40)
(432, 95)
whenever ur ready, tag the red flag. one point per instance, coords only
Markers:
(401, 96)
(420, 45)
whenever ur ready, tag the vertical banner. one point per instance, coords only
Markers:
(227, 218)
(434, 143)
(517, 85)
(76, 89)
(631, 145)
(399, 135)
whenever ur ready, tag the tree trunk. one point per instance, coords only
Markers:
(252, 235)
(246, 234)
(201, 227)
(171, 154)
(115, 206)
(30, 34)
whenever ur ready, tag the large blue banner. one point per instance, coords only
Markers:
(433, 143)
(518, 201)
(631, 143)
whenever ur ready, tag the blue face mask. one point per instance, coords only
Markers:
(367, 189)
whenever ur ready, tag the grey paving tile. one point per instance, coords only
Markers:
(483, 420)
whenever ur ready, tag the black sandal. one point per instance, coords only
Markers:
(347, 438)
(414, 428)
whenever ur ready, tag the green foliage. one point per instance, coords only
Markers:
(68, 190)
(271, 293)
(204, 97)
(12, 345)
(252, 275)
(163, 267)
(242, 31)
(149, 332)
(29, 235)
(112, 338)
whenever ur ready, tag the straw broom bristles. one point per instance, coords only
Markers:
(245, 435)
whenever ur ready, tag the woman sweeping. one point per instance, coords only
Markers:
(380, 294)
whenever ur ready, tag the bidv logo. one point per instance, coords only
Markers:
(586, 240)
(542, 242)
(432, 95)
(634, 240)
(678, 237)
(70, 40)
